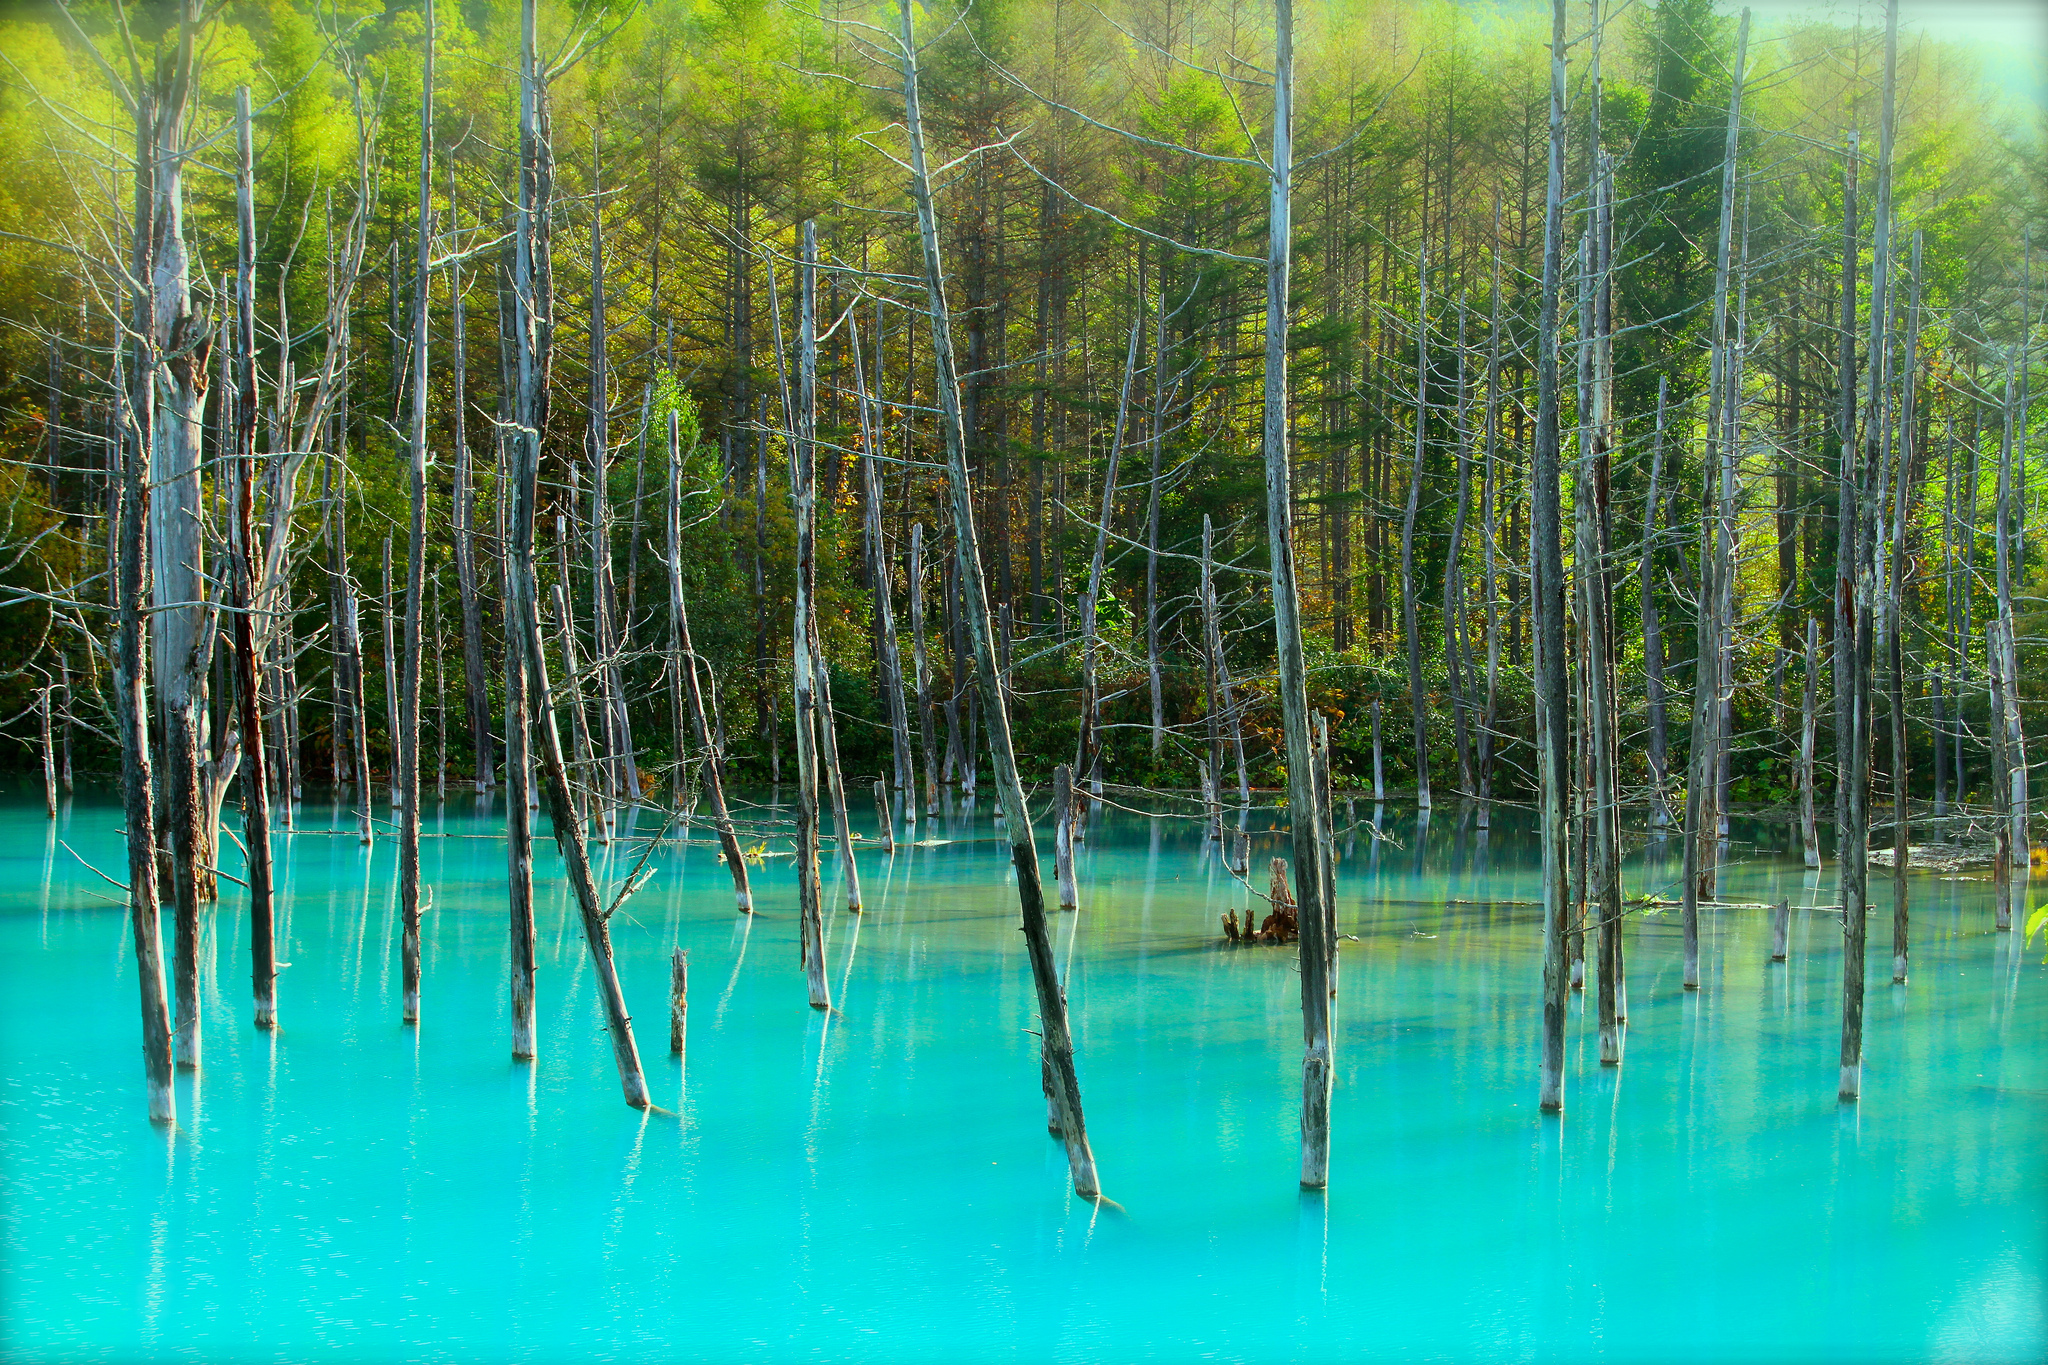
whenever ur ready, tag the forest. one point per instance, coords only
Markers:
(1592, 406)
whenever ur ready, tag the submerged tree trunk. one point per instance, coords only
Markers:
(248, 664)
(927, 723)
(1057, 1041)
(1311, 840)
(1702, 841)
(803, 640)
(1546, 533)
(533, 339)
(407, 781)
(181, 620)
(1856, 583)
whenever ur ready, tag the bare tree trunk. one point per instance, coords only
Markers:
(1088, 755)
(1152, 495)
(586, 769)
(248, 666)
(385, 610)
(476, 694)
(1703, 760)
(1809, 835)
(1895, 635)
(926, 722)
(1658, 745)
(1489, 499)
(1546, 534)
(182, 619)
(685, 664)
(2011, 748)
(129, 513)
(1842, 652)
(888, 657)
(533, 340)
(407, 780)
(1311, 839)
(1057, 1041)
(1418, 700)
(1856, 584)
(804, 639)
(1212, 652)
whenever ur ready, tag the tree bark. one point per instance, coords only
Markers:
(685, 665)
(248, 665)
(1057, 1041)
(533, 341)
(1546, 535)
(1418, 700)
(408, 777)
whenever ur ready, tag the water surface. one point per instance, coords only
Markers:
(877, 1183)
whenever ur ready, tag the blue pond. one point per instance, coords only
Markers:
(877, 1183)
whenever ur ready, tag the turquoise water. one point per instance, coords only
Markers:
(877, 1184)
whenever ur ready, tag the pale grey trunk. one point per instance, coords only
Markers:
(246, 556)
(1702, 842)
(532, 335)
(1546, 543)
(1418, 701)
(407, 779)
(689, 686)
(803, 640)
(1057, 1040)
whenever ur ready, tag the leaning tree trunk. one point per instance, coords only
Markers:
(1088, 753)
(532, 341)
(1056, 1039)
(685, 664)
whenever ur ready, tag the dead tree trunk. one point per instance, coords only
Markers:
(476, 695)
(1546, 534)
(1857, 583)
(888, 657)
(1809, 834)
(1418, 700)
(1088, 755)
(803, 640)
(1058, 1043)
(1311, 839)
(248, 665)
(1702, 841)
(1657, 743)
(927, 724)
(532, 332)
(408, 776)
(129, 512)
(827, 735)
(685, 664)
(182, 616)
